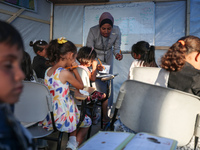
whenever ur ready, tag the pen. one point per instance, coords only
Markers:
(71, 67)
(100, 63)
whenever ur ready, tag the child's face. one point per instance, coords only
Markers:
(69, 59)
(89, 63)
(11, 75)
(43, 53)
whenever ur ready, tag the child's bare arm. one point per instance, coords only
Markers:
(78, 78)
(73, 79)
(94, 71)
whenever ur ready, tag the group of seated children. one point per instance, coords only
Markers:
(182, 60)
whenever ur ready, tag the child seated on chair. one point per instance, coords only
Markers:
(144, 56)
(62, 53)
(13, 135)
(86, 57)
(182, 60)
(27, 68)
(39, 61)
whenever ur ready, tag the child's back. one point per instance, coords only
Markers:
(86, 57)
(144, 56)
(62, 54)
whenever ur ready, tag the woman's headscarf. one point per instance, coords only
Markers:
(106, 17)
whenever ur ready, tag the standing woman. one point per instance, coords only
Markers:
(106, 40)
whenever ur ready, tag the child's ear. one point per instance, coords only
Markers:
(70, 55)
(39, 52)
(197, 57)
(136, 56)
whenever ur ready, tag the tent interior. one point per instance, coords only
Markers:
(162, 21)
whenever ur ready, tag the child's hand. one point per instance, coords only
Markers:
(118, 56)
(74, 64)
(100, 67)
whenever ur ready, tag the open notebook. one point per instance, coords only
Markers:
(106, 70)
(128, 141)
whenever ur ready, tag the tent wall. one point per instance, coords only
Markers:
(30, 30)
(195, 18)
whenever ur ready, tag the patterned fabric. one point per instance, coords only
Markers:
(66, 113)
(96, 96)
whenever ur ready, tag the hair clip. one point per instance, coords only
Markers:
(91, 51)
(41, 41)
(182, 42)
(34, 41)
(61, 40)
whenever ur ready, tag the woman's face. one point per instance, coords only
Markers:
(105, 30)
(11, 75)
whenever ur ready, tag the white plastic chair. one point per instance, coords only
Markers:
(158, 110)
(34, 104)
(151, 75)
(84, 76)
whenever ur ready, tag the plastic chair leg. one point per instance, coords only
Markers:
(59, 141)
(101, 117)
(89, 132)
(113, 120)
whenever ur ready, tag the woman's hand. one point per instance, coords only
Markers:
(118, 56)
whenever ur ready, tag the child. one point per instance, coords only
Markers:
(12, 134)
(39, 61)
(183, 61)
(86, 57)
(144, 56)
(27, 68)
(62, 54)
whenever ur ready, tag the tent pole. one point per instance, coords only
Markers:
(15, 15)
(51, 21)
(187, 32)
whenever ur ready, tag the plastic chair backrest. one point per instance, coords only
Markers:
(161, 111)
(151, 75)
(33, 105)
(84, 76)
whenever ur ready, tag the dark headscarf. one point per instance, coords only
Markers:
(106, 17)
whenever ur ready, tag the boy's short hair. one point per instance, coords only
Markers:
(10, 35)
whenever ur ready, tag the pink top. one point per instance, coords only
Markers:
(85, 68)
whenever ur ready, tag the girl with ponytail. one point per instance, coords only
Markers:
(144, 56)
(182, 60)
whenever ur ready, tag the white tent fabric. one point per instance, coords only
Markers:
(68, 22)
(195, 18)
(29, 29)
(170, 22)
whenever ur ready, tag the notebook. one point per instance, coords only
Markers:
(128, 141)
